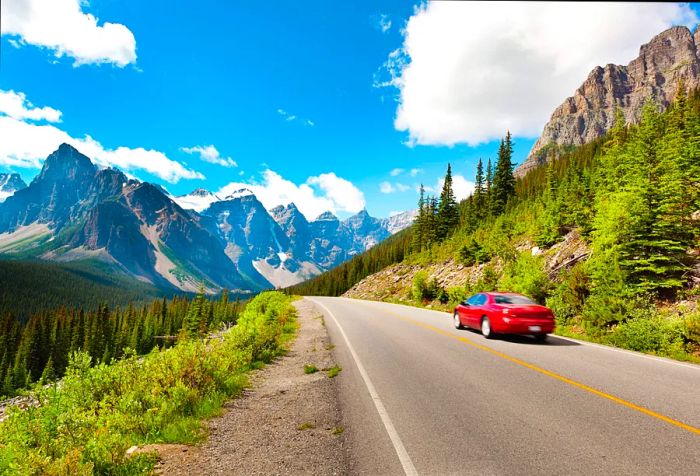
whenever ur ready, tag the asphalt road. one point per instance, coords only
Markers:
(420, 397)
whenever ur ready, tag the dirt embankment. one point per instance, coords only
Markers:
(287, 423)
(395, 282)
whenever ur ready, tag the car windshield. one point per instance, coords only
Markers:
(512, 299)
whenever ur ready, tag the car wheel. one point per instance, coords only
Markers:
(486, 328)
(540, 337)
(457, 322)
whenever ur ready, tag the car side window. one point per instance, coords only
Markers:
(472, 301)
(481, 299)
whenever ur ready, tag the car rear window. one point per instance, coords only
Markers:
(512, 299)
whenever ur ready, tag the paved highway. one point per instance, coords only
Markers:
(420, 397)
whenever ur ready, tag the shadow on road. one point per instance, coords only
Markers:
(529, 340)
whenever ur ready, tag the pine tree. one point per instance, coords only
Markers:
(480, 191)
(489, 187)
(419, 223)
(447, 217)
(503, 187)
(192, 325)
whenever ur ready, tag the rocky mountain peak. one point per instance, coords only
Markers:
(66, 163)
(668, 58)
(327, 216)
(201, 192)
(240, 193)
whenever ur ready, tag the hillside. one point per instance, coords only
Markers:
(27, 287)
(607, 236)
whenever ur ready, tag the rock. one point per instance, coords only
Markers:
(536, 251)
(589, 113)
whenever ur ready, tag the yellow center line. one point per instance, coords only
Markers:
(548, 373)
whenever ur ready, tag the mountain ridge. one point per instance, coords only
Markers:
(669, 57)
(74, 211)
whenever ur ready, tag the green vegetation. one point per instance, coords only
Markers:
(41, 347)
(307, 425)
(334, 371)
(338, 430)
(632, 197)
(310, 369)
(28, 287)
(86, 424)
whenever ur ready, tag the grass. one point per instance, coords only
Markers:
(338, 430)
(307, 425)
(310, 369)
(85, 425)
(334, 371)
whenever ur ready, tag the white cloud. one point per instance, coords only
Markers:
(387, 187)
(16, 106)
(396, 172)
(26, 144)
(414, 172)
(461, 187)
(318, 194)
(468, 71)
(63, 27)
(209, 153)
(289, 117)
(382, 22)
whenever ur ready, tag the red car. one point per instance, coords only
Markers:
(504, 313)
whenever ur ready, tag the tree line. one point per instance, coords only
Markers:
(39, 349)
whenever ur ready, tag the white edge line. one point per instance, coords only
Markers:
(401, 452)
(655, 358)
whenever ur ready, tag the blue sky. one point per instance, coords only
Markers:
(303, 90)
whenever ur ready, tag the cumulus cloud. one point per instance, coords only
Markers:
(396, 172)
(26, 144)
(318, 194)
(209, 153)
(461, 187)
(388, 187)
(468, 71)
(414, 172)
(16, 106)
(63, 27)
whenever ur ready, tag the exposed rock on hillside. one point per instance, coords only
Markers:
(669, 57)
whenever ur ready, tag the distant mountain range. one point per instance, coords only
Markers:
(74, 211)
(9, 184)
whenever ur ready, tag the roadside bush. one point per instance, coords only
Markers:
(424, 289)
(457, 294)
(569, 296)
(526, 276)
(86, 424)
(657, 335)
(488, 281)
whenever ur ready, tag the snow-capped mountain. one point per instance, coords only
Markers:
(73, 211)
(196, 200)
(399, 221)
(9, 184)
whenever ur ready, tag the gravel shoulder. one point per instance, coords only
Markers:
(288, 422)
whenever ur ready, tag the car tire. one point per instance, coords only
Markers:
(457, 322)
(486, 328)
(540, 337)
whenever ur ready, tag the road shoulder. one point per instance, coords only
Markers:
(288, 422)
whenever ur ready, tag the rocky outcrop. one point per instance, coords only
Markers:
(668, 58)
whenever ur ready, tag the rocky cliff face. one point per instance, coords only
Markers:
(668, 58)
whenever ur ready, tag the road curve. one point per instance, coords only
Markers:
(420, 397)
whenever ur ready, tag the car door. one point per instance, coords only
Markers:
(471, 310)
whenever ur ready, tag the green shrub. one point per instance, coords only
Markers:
(657, 335)
(425, 289)
(526, 276)
(569, 296)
